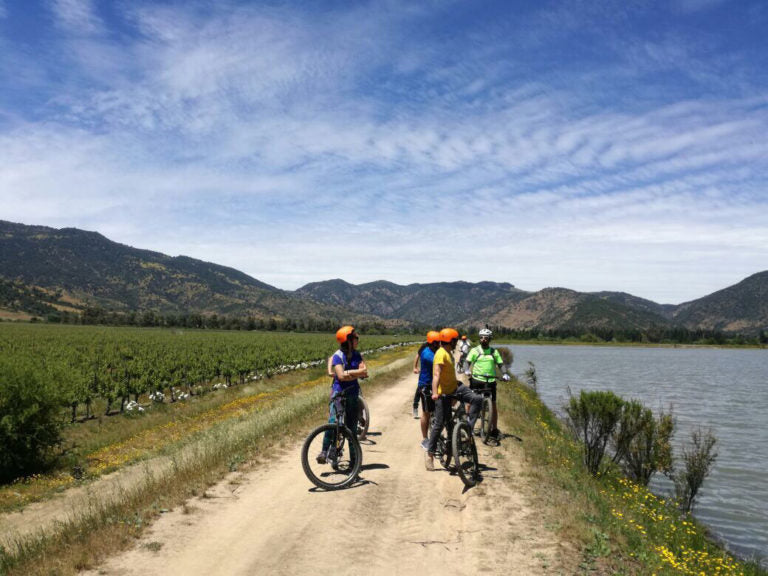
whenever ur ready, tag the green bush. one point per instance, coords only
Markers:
(698, 457)
(29, 420)
(594, 416)
(641, 443)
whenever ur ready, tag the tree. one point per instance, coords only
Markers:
(29, 423)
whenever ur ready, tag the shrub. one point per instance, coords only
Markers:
(593, 417)
(698, 457)
(641, 442)
(29, 420)
(531, 378)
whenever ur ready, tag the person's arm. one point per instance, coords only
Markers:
(416, 364)
(436, 370)
(330, 366)
(471, 357)
(348, 375)
(501, 365)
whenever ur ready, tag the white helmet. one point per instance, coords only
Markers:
(485, 333)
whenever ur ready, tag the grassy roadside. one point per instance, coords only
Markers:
(105, 444)
(620, 527)
(246, 437)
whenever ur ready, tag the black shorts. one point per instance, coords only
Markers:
(479, 384)
(427, 404)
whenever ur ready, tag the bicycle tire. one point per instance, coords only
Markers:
(443, 450)
(485, 419)
(465, 454)
(334, 474)
(363, 418)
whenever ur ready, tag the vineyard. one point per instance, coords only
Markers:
(51, 373)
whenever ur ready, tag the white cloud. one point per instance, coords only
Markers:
(259, 137)
(77, 16)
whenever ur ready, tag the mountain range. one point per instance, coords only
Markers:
(44, 269)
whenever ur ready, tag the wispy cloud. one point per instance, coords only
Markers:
(77, 16)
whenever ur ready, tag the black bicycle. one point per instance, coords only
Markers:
(337, 464)
(486, 413)
(457, 441)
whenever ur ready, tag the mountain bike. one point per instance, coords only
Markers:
(457, 441)
(339, 466)
(486, 412)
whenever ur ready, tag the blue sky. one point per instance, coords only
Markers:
(602, 145)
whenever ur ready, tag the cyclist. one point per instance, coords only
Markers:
(416, 370)
(463, 350)
(444, 382)
(481, 369)
(424, 388)
(348, 365)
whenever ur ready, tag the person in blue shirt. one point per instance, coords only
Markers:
(348, 366)
(426, 358)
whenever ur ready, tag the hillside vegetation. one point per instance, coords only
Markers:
(44, 271)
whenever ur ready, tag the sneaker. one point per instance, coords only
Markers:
(428, 462)
(425, 444)
(416, 412)
(322, 458)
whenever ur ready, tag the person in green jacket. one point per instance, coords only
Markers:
(481, 369)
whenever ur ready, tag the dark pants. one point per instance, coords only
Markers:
(350, 418)
(427, 404)
(443, 412)
(416, 397)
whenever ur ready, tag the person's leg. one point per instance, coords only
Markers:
(495, 415)
(328, 437)
(351, 414)
(416, 397)
(424, 422)
(475, 402)
(434, 434)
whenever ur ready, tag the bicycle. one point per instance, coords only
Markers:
(457, 441)
(363, 417)
(486, 413)
(344, 456)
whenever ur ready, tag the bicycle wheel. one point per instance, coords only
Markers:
(342, 462)
(485, 419)
(465, 454)
(363, 418)
(443, 450)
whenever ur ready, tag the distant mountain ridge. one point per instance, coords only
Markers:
(44, 268)
(438, 303)
(85, 268)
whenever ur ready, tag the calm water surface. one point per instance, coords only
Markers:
(725, 390)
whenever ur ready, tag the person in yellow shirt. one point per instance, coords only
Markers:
(444, 382)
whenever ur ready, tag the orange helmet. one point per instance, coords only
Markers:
(343, 333)
(464, 337)
(433, 336)
(448, 334)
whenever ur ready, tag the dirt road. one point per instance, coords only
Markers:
(399, 519)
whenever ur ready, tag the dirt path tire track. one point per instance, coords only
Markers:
(399, 519)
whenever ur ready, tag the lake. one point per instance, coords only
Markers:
(722, 389)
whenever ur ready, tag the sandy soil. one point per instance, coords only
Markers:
(399, 519)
